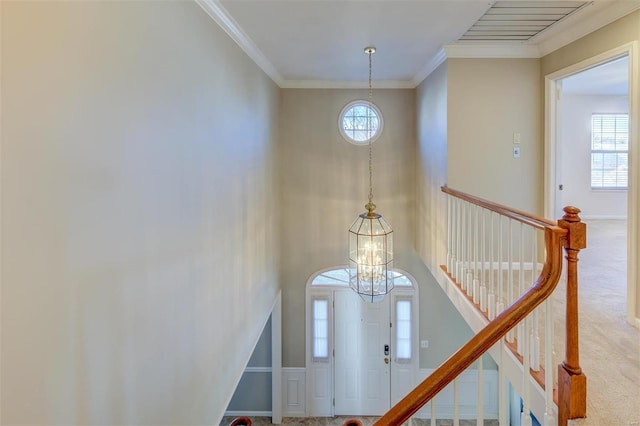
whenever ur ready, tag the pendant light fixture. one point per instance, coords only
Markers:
(370, 238)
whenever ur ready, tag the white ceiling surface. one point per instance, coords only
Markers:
(324, 40)
(320, 43)
(611, 78)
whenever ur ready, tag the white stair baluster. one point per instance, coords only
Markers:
(501, 305)
(503, 400)
(492, 295)
(480, 415)
(510, 334)
(433, 411)
(456, 404)
(535, 334)
(449, 242)
(459, 245)
(469, 284)
(525, 419)
(476, 249)
(549, 366)
(483, 285)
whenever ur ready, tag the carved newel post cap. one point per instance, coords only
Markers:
(571, 214)
(577, 235)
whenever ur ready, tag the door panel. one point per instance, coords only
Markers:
(362, 378)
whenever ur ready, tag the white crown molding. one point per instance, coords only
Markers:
(585, 21)
(431, 66)
(219, 14)
(346, 84)
(589, 18)
(492, 51)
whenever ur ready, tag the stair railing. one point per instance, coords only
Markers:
(487, 247)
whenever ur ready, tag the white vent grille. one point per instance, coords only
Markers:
(519, 20)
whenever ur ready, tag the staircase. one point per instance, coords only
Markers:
(502, 268)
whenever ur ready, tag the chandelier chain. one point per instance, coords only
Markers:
(370, 52)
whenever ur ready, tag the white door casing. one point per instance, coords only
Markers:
(551, 160)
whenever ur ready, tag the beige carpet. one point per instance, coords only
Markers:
(609, 346)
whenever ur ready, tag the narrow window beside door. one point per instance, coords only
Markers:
(403, 330)
(320, 329)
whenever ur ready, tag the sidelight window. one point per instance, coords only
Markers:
(320, 328)
(403, 329)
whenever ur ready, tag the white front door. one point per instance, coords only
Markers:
(362, 369)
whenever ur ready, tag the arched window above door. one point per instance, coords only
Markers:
(340, 277)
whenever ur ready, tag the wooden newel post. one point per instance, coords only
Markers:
(572, 383)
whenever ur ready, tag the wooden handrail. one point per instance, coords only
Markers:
(519, 215)
(479, 344)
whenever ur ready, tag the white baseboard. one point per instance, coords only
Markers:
(293, 400)
(247, 413)
(603, 217)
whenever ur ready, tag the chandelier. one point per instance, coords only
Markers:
(370, 238)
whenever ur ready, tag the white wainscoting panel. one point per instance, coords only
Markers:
(294, 387)
(321, 389)
(468, 396)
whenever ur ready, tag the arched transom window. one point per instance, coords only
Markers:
(340, 277)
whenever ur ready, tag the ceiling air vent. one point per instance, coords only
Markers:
(519, 20)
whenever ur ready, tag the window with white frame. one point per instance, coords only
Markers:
(320, 328)
(403, 327)
(360, 121)
(609, 151)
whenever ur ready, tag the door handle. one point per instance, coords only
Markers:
(386, 360)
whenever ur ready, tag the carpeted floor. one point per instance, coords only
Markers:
(609, 346)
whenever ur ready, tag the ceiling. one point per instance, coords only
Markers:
(320, 43)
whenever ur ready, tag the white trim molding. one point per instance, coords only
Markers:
(588, 19)
(345, 84)
(473, 50)
(247, 413)
(437, 60)
(584, 21)
(219, 14)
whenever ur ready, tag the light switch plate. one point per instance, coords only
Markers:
(516, 152)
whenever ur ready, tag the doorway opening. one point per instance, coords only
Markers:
(591, 158)
(361, 358)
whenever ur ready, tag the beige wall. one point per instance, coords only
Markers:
(431, 167)
(324, 186)
(489, 100)
(624, 30)
(139, 243)
(431, 224)
(614, 35)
